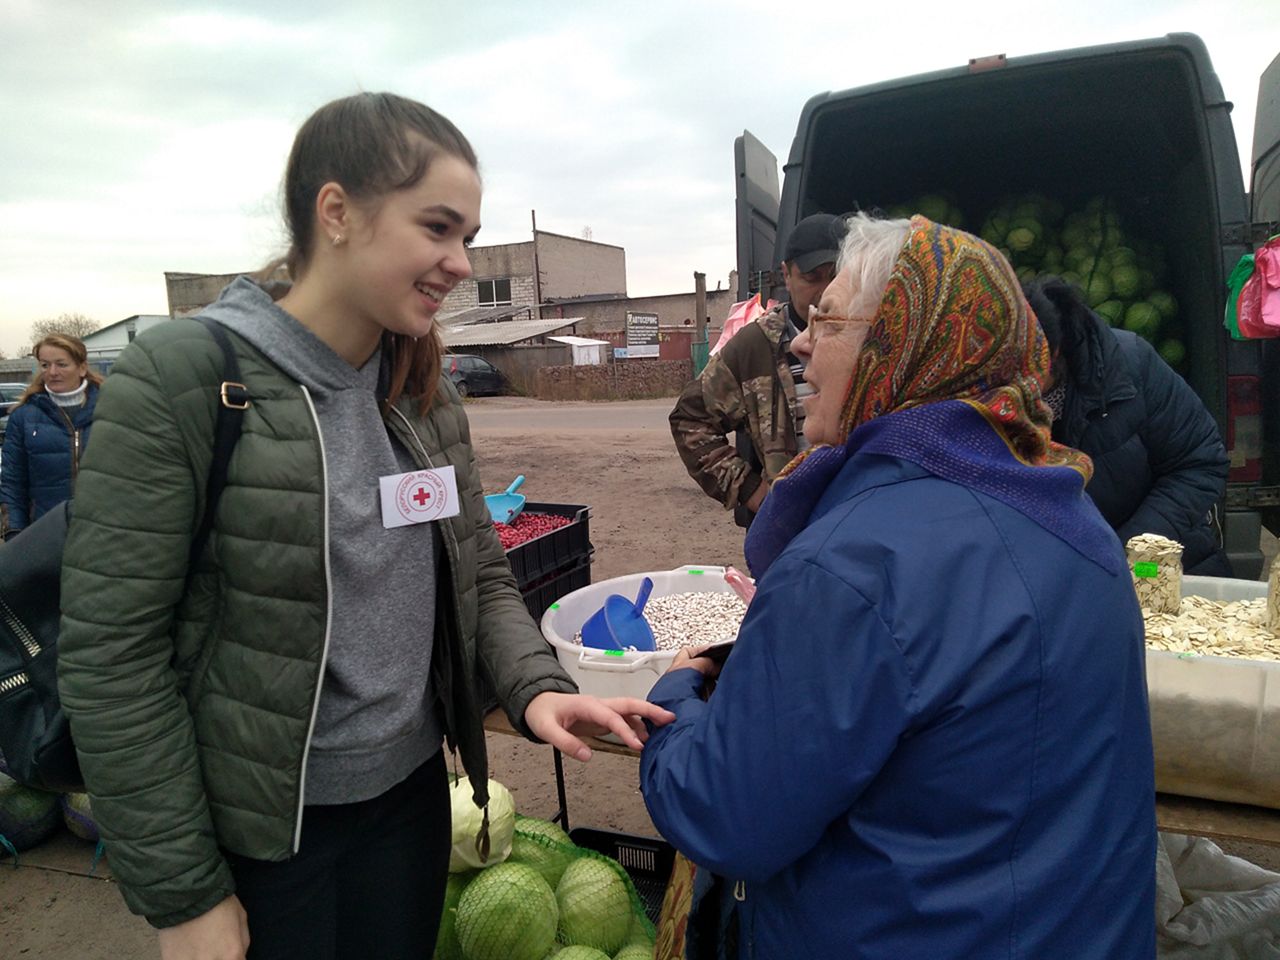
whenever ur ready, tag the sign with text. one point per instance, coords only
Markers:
(642, 335)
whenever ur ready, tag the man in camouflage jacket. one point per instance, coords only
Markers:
(749, 387)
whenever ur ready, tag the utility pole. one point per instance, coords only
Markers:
(699, 349)
(537, 272)
(700, 305)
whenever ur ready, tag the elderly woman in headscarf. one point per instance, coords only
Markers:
(931, 738)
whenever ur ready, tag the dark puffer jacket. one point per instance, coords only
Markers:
(1158, 459)
(192, 701)
(42, 448)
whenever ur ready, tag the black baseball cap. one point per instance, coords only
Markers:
(815, 240)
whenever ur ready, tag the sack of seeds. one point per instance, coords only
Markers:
(1156, 565)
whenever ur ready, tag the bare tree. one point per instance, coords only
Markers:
(72, 324)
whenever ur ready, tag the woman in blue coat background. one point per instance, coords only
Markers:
(47, 432)
(931, 738)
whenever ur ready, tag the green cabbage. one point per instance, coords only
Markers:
(468, 820)
(542, 828)
(577, 952)
(507, 913)
(595, 905)
(547, 857)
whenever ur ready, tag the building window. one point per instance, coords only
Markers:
(493, 293)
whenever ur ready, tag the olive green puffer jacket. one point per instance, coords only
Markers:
(192, 702)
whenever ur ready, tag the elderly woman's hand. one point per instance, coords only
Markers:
(692, 657)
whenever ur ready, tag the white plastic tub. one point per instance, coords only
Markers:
(605, 674)
(1216, 720)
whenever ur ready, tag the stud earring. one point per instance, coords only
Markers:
(337, 239)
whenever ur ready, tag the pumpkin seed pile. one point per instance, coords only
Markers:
(1215, 628)
(1156, 565)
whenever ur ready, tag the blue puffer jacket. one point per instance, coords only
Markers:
(931, 739)
(1159, 465)
(42, 449)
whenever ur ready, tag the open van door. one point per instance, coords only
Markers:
(756, 170)
(1265, 188)
(1264, 202)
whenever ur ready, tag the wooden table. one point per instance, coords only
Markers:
(1218, 820)
(1175, 814)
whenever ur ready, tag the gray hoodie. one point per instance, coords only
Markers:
(376, 721)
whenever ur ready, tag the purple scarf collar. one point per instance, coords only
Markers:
(952, 440)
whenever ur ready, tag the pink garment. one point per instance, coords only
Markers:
(1258, 311)
(1266, 267)
(740, 314)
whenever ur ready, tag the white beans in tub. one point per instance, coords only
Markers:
(692, 619)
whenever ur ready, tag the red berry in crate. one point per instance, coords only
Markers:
(528, 526)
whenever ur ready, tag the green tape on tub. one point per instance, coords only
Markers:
(554, 606)
(614, 653)
(1146, 570)
(694, 573)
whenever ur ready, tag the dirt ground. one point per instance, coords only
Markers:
(646, 515)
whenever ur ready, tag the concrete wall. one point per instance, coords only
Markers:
(576, 268)
(623, 380)
(601, 317)
(190, 293)
(503, 261)
(569, 267)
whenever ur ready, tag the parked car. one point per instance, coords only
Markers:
(9, 394)
(474, 376)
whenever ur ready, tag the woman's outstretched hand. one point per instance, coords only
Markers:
(220, 934)
(560, 718)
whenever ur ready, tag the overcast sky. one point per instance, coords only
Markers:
(140, 137)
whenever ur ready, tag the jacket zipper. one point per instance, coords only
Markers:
(746, 927)
(328, 622)
(9, 684)
(482, 838)
(19, 630)
(75, 446)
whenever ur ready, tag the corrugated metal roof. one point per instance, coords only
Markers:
(485, 315)
(578, 341)
(502, 334)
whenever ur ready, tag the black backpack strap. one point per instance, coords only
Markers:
(233, 401)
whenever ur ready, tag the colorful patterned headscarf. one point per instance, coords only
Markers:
(954, 325)
(953, 336)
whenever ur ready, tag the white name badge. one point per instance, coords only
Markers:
(419, 497)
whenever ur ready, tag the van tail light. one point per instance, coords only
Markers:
(1244, 429)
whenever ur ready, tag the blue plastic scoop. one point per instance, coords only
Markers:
(620, 624)
(505, 507)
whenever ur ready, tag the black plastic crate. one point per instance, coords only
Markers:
(555, 551)
(647, 861)
(550, 588)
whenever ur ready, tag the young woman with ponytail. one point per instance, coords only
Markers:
(262, 736)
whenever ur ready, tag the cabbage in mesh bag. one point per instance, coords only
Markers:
(598, 903)
(507, 912)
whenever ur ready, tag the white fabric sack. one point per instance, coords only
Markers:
(1211, 906)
